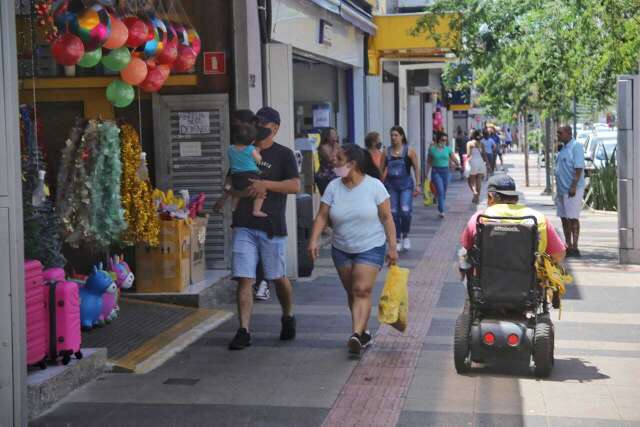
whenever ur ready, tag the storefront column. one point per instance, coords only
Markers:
(358, 106)
(12, 314)
(248, 57)
(342, 124)
(374, 110)
(279, 69)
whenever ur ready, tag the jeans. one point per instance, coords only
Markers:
(252, 246)
(374, 257)
(401, 192)
(440, 178)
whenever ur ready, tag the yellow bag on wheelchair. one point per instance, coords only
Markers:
(393, 307)
(427, 193)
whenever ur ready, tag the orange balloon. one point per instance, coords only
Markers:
(135, 72)
(119, 34)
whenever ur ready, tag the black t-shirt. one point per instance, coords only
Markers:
(278, 164)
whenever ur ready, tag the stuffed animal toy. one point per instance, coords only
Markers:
(123, 278)
(98, 282)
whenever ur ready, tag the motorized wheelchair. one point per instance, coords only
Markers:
(507, 316)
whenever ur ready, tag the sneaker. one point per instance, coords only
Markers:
(441, 214)
(406, 244)
(366, 339)
(355, 344)
(288, 331)
(399, 244)
(241, 340)
(261, 291)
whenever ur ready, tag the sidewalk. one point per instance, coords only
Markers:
(404, 379)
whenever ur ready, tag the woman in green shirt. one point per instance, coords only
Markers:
(440, 155)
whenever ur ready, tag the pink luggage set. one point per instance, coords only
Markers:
(58, 309)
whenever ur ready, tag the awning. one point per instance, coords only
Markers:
(393, 40)
(351, 12)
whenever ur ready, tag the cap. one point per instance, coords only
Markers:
(502, 184)
(269, 115)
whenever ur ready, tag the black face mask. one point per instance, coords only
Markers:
(379, 145)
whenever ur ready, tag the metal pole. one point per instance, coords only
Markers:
(547, 155)
(525, 147)
(575, 117)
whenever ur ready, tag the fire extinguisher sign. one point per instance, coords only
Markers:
(214, 63)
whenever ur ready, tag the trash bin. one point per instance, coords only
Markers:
(304, 209)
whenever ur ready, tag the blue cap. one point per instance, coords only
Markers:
(502, 183)
(268, 115)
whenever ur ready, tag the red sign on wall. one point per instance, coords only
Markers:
(214, 63)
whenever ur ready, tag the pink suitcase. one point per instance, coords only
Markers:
(37, 314)
(64, 316)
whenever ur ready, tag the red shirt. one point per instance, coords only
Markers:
(554, 243)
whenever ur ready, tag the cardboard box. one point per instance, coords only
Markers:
(198, 237)
(165, 268)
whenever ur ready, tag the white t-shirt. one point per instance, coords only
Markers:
(354, 214)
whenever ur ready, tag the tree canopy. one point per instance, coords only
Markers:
(539, 54)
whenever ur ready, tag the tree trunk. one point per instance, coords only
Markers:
(525, 147)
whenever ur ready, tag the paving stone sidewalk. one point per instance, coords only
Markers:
(405, 379)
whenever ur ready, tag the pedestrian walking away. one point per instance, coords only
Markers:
(327, 151)
(461, 149)
(477, 164)
(439, 160)
(264, 239)
(401, 185)
(358, 206)
(490, 149)
(569, 187)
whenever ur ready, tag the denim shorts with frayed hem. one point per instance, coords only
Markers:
(251, 246)
(374, 257)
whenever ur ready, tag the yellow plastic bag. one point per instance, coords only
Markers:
(393, 307)
(428, 195)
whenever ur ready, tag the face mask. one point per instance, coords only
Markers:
(342, 171)
(379, 145)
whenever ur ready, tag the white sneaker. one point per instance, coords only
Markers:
(406, 244)
(262, 292)
(399, 245)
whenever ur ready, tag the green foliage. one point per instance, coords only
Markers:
(603, 187)
(539, 54)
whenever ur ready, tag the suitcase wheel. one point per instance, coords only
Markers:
(78, 355)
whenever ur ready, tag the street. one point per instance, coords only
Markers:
(404, 379)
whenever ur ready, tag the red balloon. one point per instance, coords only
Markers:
(138, 31)
(119, 34)
(135, 72)
(186, 59)
(169, 54)
(155, 79)
(67, 49)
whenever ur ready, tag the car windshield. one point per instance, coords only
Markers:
(605, 149)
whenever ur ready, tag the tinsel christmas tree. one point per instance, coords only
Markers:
(42, 240)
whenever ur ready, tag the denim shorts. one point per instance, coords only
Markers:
(251, 246)
(373, 257)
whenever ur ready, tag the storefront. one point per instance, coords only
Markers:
(87, 88)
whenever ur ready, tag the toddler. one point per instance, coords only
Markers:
(244, 158)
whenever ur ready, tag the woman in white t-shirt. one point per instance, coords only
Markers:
(357, 204)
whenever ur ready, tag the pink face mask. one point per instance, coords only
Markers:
(342, 171)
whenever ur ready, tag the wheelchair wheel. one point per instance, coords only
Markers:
(543, 350)
(461, 348)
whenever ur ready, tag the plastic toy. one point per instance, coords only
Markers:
(98, 282)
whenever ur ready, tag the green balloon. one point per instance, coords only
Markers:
(90, 59)
(117, 59)
(120, 94)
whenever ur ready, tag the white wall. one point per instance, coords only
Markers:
(375, 114)
(342, 124)
(359, 105)
(388, 110)
(248, 57)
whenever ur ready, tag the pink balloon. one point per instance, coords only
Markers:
(67, 49)
(135, 72)
(186, 59)
(119, 34)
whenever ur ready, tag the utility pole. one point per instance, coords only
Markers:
(547, 155)
(575, 116)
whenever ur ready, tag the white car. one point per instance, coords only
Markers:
(601, 148)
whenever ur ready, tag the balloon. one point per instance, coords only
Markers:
(169, 54)
(194, 40)
(135, 72)
(120, 94)
(117, 59)
(150, 47)
(93, 26)
(181, 32)
(186, 59)
(119, 34)
(161, 29)
(138, 31)
(155, 79)
(67, 49)
(90, 59)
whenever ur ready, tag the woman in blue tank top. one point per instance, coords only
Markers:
(401, 185)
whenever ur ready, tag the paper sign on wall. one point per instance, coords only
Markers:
(190, 149)
(194, 122)
(321, 115)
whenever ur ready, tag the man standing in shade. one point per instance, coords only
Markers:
(265, 239)
(569, 187)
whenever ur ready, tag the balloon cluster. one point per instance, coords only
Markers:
(143, 48)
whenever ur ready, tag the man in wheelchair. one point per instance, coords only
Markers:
(507, 314)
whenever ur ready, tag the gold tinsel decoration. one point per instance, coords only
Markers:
(139, 209)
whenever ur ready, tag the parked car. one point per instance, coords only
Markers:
(604, 148)
(590, 144)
